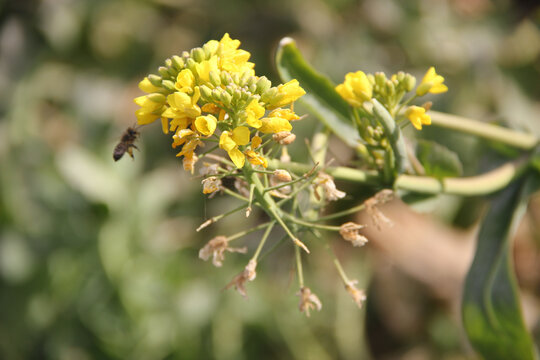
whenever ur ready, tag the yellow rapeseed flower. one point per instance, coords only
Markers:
(272, 125)
(229, 141)
(233, 59)
(432, 83)
(151, 108)
(256, 159)
(182, 105)
(418, 117)
(253, 114)
(146, 86)
(356, 89)
(206, 125)
(287, 93)
(204, 67)
(185, 81)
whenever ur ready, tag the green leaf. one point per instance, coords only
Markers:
(321, 98)
(491, 309)
(438, 160)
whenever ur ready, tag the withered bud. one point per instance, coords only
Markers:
(376, 215)
(349, 232)
(308, 301)
(239, 281)
(282, 175)
(284, 137)
(358, 295)
(211, 184)
(216, 248)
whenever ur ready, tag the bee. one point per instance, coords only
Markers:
(126, 143)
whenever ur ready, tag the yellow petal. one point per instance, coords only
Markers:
(146, 86)
(237, 157)
(275, 125)
(165, 125)
(206, 125)
(240, 135)
(256, 142)
(226, 142)
(185, 81)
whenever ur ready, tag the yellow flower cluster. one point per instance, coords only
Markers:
(214, 88)
(359, 88)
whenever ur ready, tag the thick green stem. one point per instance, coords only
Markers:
(496, 133)
(467, 186)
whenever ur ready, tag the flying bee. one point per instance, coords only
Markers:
(126, 144)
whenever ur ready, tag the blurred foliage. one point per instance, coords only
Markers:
(98, 260)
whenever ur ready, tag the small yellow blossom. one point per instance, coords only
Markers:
(272, 125)
(233, 59)
(308, 301)
(206, 125)
(216, 248)
(204, 67)
(146, 86)
(287, 114)
(356, 89)
(182, 105)
(417, 116)
(432, 83)
(287, 93)
(185, 81)
(151, 108)
(253, 114)
(229, 141)
(349, 232)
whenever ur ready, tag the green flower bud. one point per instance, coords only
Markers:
(206, 93)
(252, 88)
(263, 84)
(155, 79)
(198, 54)
(168, 84)
(380, 79)
(400, 76)
(371, 79)
(168, 63)
(226, 78)
(164, 72)
(178, 62)
(409, 82)
(390, 88)
(157, 97)
(226, 99)
(214, 78)
(269, 95)
(191, 64)
(208, 51)
(245, 78)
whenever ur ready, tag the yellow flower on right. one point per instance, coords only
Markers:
(417, 116)
(432, 83)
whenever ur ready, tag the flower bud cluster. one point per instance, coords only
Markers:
(212, 91)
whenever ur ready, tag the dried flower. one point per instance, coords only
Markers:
(326, 182)
(211, 184)
(239, 281)
(359, 296)
(281, 175)
(216, 248)
(284, 137)
(349, 232)
(209, 169)
(373, 211)
(308, 300)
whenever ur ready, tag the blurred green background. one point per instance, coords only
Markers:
(99, 260)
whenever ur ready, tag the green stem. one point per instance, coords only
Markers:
(219, 217)
(506, 136)
(467, 186)
(263, 240)
(299, 266)
(248, 231)
(311, 224)
(342, 213)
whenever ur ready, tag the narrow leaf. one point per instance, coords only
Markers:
(321, 97)
(491, 309)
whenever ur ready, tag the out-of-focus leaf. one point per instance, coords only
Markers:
(321, 98)
(438, 160)
(491, 309)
